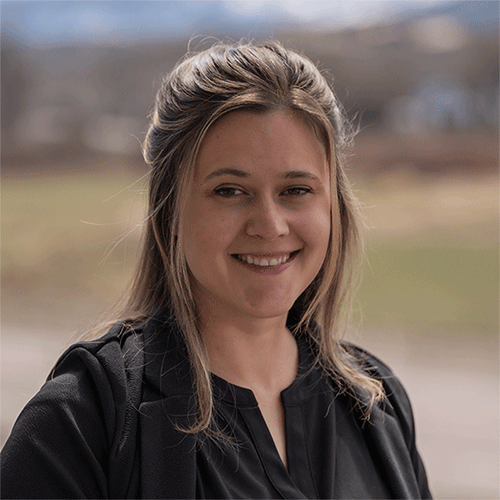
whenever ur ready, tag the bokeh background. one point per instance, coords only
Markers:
(419, 79)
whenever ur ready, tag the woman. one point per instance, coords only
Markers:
(229, 378)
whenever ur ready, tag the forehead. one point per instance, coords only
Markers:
(259, 141)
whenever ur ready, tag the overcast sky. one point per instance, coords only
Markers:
(341, 12)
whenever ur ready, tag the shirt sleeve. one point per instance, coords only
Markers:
(59, 445)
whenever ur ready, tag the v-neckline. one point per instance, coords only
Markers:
(244, 400)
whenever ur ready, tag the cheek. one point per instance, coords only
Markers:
(319, 232)
(206, 234)
(319, 225)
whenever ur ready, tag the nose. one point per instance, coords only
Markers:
(267, 220)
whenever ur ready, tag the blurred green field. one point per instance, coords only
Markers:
(70, 242)
(449, 288)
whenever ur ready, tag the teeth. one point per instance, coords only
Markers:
(263, 262)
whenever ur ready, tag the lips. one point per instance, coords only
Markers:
(266, 261)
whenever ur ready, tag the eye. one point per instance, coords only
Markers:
(228, 191)
(297, 191)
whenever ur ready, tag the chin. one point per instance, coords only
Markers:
(269, 311)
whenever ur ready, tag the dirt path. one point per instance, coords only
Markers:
(453, 384)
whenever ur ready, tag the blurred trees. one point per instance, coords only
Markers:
(409, 79)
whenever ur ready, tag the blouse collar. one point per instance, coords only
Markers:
(303, 387)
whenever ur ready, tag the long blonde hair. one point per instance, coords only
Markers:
(201, 89)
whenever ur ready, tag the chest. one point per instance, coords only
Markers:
(272, 411)
(326, 455)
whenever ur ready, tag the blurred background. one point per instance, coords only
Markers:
(420, 79)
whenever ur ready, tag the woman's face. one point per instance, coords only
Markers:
(257, 224)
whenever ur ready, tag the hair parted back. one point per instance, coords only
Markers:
(202, 88)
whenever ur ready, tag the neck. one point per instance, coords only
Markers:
(256, 353)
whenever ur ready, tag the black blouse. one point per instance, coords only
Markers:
(107, 424)
(328, 456)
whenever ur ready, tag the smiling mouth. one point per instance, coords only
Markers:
(265, 261)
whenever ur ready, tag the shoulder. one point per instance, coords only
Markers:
(114, 345)
(374, 366)
(141, 362)
(395, 410)
(113, 353)
(65, 437)
(100, 376)
(397, 402)
(101, 366)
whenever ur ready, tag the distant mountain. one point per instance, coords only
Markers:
(90, 22)
(480, 15)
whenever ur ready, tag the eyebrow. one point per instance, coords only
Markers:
(227, 171)
(299, 174)
(291, 174)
